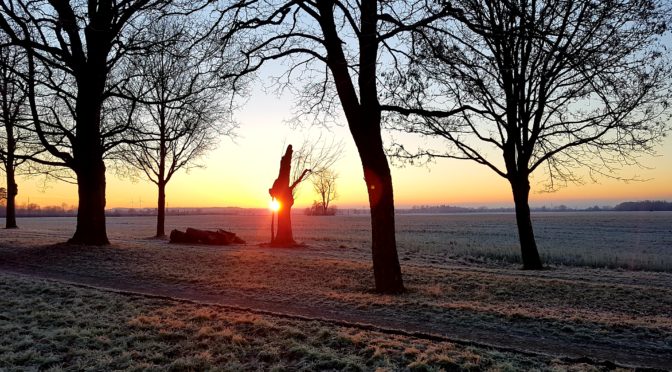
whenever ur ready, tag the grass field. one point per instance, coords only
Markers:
(464, 291)
(50, 326)
(628, 240)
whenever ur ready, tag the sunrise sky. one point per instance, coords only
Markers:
(240, 172)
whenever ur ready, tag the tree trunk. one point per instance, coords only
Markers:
(386, 268)
(87, 154)
(161, 210)
(12, 190)
(91, 209)
(282, 192)
(528, 245)
(284, 235)
(364, 116)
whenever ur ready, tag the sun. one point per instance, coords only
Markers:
(274, 205)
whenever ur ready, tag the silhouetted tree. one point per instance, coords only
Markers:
(324, 185)
(17, 144)
(74, 50)
(312, 158)
(283, 191)
(14, 102)
(552, 84)
(344, 39)
(181, 110)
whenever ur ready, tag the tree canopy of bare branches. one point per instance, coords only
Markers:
(74, 51)
(17, 143)
(182, 108)
(337, 46)
(324, 185)
(534, 85)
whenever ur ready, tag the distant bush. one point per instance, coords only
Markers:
(317, 209)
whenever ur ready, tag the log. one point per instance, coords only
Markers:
(196, 236)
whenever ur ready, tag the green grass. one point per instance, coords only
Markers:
(52, 327)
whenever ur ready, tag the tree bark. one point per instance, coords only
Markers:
(284, 235)
(91, 210)
(88, 161)
(161, 210)
(12, 191)
(282, 192)
(12, 188)
(364, 117)
(378, 178)
(528, 245)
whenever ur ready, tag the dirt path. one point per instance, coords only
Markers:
(461, 330)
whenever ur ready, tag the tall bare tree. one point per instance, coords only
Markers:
(17, 143)
(540, 84)
(14, 103)
(182, 107)
(73, 51)
(344, 41)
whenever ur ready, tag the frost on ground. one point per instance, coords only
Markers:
(51, 326)
(605, 314)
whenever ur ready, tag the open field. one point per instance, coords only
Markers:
(458, 289)
(630, 240)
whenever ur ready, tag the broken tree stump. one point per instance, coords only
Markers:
(196, 236)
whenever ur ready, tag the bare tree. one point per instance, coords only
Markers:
(14, 102)
(324, 185)
(17, 144)
(181, 110)
(313, 157)
(343, 41)
(553, 85)
(73, 50)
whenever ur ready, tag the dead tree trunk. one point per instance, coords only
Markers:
(282, 192)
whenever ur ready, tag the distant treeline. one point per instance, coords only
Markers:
(34, 210)
(646, 205)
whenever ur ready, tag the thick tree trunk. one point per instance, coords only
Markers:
(91, 210)
(284, 235)
(528, 245)
(364, 116)
(386, 268)
(87, 154)
(161, 211)
(282, 192)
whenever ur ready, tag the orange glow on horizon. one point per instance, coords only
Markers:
(274, 205)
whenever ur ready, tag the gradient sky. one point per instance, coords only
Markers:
(240, 172)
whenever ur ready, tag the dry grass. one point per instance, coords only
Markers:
(627, 311)
(52, 327)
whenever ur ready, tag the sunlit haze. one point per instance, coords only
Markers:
(240, 172)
